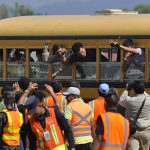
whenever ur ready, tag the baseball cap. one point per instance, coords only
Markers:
(103, 88)
(72, 90)
(31, 104)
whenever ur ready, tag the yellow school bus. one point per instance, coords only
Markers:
(27, 35)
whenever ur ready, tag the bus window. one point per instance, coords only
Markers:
(1, 64)
(66, 72)
(86, 66)
(135, 69)
(38, 69)
(15, 63)
(109, 64)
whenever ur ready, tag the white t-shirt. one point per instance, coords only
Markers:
(133, 104)
(139, 51)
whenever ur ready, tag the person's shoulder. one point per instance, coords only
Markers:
(139, 50)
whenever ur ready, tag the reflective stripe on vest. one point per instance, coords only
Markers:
(53, 130)
(75, 127)
(92, 106)
(46, 101)
(64, 103)
(40, 138)
(8, 137)
(107, 144)
(61, 147)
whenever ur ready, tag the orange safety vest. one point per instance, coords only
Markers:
(56, 141)
(116, 131)
(11, 135)
(48, 101)
(81, 116)
(98, 107)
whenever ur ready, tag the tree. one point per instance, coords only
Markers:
(4, 11)
(21, 10)
(16, 10)
(142, 9)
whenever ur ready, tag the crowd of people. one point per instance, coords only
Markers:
(55, 120)
(52, 119)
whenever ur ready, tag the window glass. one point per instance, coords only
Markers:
(15, 63)
(64, 70)
(109, 64)
(38, 69)
(86, 66)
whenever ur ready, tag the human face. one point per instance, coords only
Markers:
(62, 50)
(38, 109)
(82, 52)
(68, 98)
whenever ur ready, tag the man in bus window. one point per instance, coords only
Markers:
(132, 55)
(64, 56)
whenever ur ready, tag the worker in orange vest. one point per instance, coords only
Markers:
(112, 129)
(98, 105)
(11, 121)
(79, 116)
(57, 87)
(46, 125)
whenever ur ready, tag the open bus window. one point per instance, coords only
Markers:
(134, 67)
(15, 63)
(38, 69)
(86, 66)
(109, 64)
(1, 64)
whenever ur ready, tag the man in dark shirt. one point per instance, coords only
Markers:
(37, 110)
(64, 56)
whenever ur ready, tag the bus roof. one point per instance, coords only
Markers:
(76, 25)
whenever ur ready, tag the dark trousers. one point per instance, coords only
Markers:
(87, 146)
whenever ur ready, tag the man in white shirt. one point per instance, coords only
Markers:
(132, 105)
(132, 54)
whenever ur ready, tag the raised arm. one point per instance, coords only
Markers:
(50, 90)
(32, 86)
(128, 49)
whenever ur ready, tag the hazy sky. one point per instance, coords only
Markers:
(76, 6)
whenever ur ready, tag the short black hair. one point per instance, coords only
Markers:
(56, 47)
(23, 82)
(139, 87)
(76, 47)
(128, 42)
(111, 99)
(39, 94)
(75, 83)
(56, 85)
(113, 90)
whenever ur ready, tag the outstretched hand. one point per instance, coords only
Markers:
(32, 86)
(113, 42)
